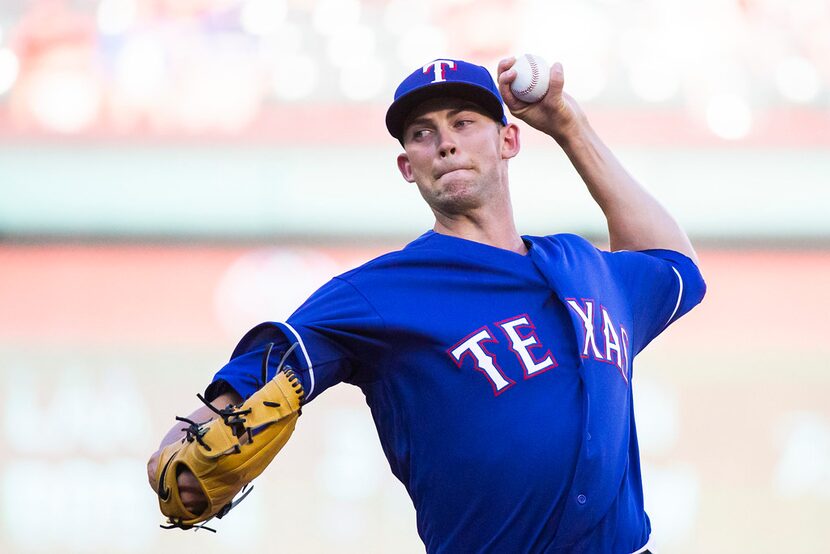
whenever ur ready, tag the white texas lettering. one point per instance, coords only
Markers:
(521, 346)
(587, 317)
(612, 341)
(438, 67)
(483, 360)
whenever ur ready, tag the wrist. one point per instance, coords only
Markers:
(571, 133)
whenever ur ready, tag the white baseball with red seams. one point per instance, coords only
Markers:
(532, 78)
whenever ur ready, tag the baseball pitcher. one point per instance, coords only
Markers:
(498, 367)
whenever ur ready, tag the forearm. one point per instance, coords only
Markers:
(636, 220)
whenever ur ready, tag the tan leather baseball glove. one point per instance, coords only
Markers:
(228, 452)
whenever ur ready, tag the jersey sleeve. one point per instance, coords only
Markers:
(661, 286)
(336, 332)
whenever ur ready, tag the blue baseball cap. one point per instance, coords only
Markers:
(440, 78)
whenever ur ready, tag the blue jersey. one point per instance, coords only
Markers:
(499, 383)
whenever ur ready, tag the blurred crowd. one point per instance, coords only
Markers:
(132, 66)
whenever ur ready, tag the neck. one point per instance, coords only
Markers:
(494, 227)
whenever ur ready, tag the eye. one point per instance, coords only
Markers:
(461, 123)
(419, 134)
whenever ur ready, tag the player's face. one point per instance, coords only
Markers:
(456, 154)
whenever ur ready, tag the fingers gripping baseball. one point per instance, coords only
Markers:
(508, 74)
(553, 113)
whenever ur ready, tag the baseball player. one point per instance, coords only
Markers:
(497, 367)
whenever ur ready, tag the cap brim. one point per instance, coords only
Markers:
(399, 110)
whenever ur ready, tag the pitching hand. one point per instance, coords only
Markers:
(556, 114)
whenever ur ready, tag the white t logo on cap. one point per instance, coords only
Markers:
(438, 66)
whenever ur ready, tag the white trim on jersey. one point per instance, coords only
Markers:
(679, 295)
(307, 359)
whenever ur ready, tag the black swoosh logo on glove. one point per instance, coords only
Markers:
(163, 493)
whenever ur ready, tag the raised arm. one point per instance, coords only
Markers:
(636, 220)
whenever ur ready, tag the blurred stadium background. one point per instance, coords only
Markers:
(174, 171)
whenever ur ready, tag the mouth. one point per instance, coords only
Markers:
(445, 172)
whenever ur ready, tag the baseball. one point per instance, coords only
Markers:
(532, 78)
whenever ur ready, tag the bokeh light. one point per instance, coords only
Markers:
(141, 69)
(400, 15)
(349, 45)
(363, 80)
(729, 116)
(116, 16)
(295, 78)
(9, 67)
(331, 15)
(65, 101)
(263, 17)
(655, 81)
(421, 44)
(797, 79)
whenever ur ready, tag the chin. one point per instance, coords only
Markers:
(454, 194)
(457, 201)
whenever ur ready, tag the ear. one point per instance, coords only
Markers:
(510, 144)
(405, 168)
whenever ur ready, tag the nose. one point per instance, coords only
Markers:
(447, 146)
(446, 150)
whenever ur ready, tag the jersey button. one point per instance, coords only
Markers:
(588, 436)
(582, 499)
